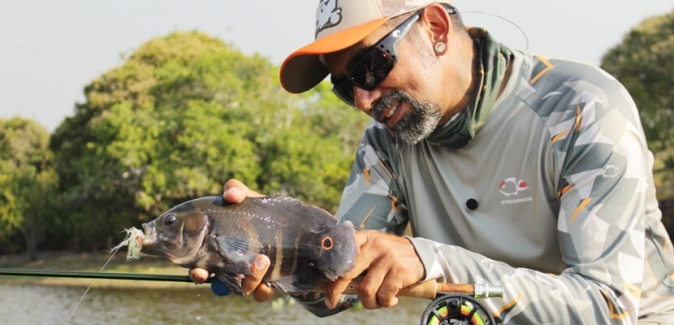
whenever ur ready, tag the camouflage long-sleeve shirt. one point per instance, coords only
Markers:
(553, 199)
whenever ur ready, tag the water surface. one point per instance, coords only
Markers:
(47, 305)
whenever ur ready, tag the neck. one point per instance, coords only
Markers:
(467, 79)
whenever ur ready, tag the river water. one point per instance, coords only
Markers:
(47, 305)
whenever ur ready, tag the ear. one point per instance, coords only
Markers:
(437, 22)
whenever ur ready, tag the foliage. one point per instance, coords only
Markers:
(179, 117)
(644, 63)
(26, 182)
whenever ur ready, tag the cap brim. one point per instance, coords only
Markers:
(302, 70)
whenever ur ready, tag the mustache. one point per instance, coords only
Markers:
(389, 100)
(414, 126)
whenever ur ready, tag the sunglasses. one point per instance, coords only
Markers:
(370, 66)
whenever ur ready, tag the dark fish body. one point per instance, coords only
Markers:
(305, 245)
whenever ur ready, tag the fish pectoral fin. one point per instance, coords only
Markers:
(232, 282)
(236, 250)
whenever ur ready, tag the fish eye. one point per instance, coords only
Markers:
(169, 219)
(327, 243)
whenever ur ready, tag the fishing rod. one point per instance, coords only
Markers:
(97, 275)
(427, 289)
(451, 301)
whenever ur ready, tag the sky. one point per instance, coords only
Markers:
(51, 49)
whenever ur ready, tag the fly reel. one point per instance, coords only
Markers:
(456, 309)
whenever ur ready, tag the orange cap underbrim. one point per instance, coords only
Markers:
(302, 69)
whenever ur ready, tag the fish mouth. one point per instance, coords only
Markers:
(150, 235)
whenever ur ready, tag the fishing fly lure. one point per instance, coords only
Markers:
(134, 240)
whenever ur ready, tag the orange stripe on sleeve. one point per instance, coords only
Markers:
(366, 173)
(611, 307)
(548, 67)
(579, 119)
(559, 136)
(564, 190)
(507, 306)
(580, 207)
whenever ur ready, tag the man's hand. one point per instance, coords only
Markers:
(236, 192)
(388, 263)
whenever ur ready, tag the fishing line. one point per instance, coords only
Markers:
(89, 287)
(526, 64)
(134, 241)
(520, 29)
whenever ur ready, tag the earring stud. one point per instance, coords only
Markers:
(440, 47)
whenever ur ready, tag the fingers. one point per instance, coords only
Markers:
(380, 286)
(386, 264)
(199, 275)
(334, 290)
(263, 292)
(236, 192)
(337, 287)
(253, 283)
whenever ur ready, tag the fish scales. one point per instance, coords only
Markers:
(267, 235)
(273, 232)
(304, 243)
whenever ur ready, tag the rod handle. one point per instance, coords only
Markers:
(430, 289)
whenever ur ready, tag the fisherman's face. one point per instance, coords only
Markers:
(400, 100)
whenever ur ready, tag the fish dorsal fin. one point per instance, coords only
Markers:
(314, 218)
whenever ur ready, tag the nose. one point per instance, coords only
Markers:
(363, 98)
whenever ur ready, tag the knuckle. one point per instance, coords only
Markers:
(366, 290)
(369, 303)
(385, 298)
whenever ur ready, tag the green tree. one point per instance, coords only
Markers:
(644, 63)
(179, 117)
(26, 182)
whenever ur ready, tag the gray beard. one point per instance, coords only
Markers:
(415, 126)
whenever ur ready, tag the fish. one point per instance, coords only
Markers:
(305, 244)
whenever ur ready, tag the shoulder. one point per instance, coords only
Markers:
(560, 89)
(570, 82)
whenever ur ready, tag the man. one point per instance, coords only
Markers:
(512, 169)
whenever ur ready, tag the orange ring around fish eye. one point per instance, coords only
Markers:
(327, 243)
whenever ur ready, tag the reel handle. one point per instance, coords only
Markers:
(431, 288)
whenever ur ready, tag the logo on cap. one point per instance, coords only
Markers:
(327, 15)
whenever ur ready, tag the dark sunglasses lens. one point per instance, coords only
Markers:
(372, 69)
(344, 91)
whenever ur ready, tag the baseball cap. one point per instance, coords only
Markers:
(339, 25)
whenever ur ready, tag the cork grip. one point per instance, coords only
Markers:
(428, 289)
